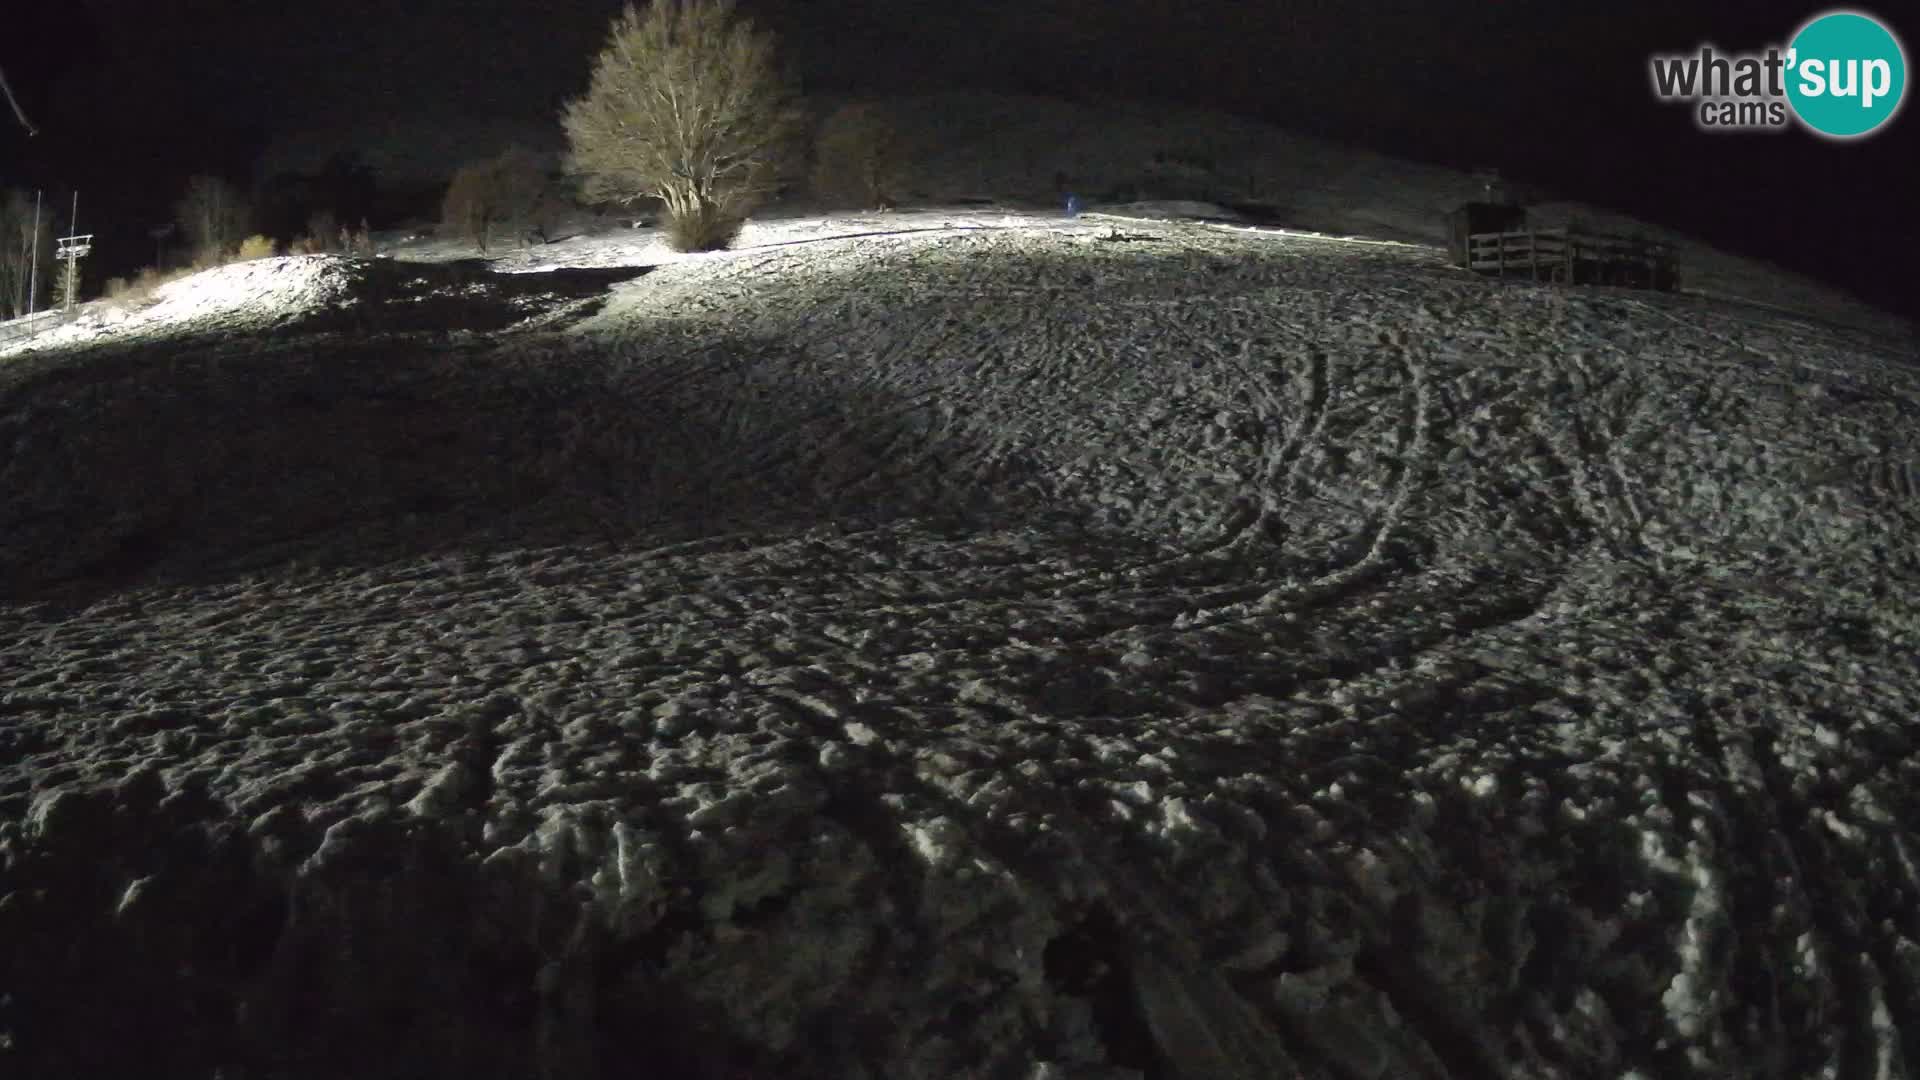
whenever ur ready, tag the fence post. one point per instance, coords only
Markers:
(33, 276)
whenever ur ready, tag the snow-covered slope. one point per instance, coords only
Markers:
(1027, 151)
(1005, 145)
(1007, 647)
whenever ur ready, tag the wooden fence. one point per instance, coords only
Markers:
(28, 325)
(1574, 256)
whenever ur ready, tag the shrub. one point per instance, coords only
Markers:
(857, 158)
(257, 247)
(687, 106)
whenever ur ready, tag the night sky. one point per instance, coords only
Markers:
(133, 95)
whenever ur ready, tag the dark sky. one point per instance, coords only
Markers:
(134, 94)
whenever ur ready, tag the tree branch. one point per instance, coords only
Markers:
(17, 111)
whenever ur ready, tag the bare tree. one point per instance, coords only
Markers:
(686, 106)
(858, 158)
(508, 192)
(17, 251)
(214, 216)
(323, 231)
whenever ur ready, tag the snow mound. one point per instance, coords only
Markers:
(256, 290)
(240, 298)
(314, 293)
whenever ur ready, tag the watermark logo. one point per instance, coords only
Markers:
(1852, 74)
(1843, 75)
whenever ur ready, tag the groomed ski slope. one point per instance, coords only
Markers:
(984, 646)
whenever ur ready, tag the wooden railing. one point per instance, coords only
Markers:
(1573, 256)
(28, 325)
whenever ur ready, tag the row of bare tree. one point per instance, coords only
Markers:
(214, 219)
(687, 107)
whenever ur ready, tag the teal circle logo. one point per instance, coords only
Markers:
(1846, 74)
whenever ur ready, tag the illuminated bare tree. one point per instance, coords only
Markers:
(686, 106)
